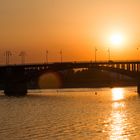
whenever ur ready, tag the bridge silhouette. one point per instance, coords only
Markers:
(15, 77)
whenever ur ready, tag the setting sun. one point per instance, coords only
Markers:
(70, 69)
(117, 39)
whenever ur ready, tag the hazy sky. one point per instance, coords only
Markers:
(75, 26)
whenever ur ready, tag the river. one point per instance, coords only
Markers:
(72, 114)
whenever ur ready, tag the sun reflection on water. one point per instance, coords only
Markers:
(118, 126)
(117, 94)
(118, 116)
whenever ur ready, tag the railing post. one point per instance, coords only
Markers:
(118, 66)
(128, 67)
(137, 67)
(123, 66)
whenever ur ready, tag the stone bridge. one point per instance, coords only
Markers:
(15, 77)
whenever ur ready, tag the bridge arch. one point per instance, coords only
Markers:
(15, 81)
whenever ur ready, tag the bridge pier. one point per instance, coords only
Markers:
(138, 88)
(15, 83)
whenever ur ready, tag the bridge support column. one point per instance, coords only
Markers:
(138, 88)
(15, 83)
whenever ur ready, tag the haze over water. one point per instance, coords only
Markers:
(101, 113)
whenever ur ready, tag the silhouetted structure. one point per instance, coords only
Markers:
(95, 54)
(15, 77)
(7, 57)
(47, 56)
(61, 56)
(22, 55)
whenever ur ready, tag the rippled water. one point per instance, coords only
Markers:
(76, 114)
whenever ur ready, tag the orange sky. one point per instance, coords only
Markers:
(75, 26)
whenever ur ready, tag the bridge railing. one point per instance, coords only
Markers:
(73, 62)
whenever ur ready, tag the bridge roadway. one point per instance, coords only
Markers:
(14, 77)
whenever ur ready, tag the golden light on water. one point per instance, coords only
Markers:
(118, 120)
(118, 117)
(117, 126)
(117, 105)
(117, 94)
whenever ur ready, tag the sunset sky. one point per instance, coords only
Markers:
(74, 26)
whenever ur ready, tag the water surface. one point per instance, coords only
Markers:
(75, 114)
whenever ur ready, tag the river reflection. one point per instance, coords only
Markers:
(74, 114)
(117, 94)
(118, 116)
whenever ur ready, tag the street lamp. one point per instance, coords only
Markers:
(61, 56)
(95, 54)
(108, 54)
(22, 55)
(47, 56)
(138, 53)
(7, 56)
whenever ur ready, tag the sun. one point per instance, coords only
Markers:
(116, 39)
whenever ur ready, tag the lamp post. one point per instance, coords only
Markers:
(138, 53)
(7, 57)
(61, 56)
(22, 55)
(108, 54)
(95, 54)
(47, 56)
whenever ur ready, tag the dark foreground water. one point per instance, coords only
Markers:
(73, 114)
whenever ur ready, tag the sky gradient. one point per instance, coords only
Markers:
(74, 26)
